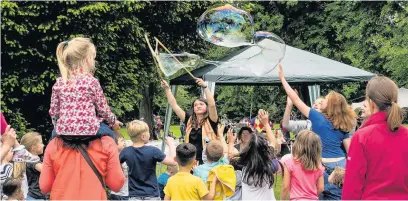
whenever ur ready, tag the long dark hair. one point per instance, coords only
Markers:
(194, 116)
(259, 162)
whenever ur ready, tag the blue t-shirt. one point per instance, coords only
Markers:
(142, 170)
(203, 170)
(163, 179)
(332, 139)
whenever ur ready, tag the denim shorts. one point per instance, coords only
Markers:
(144, 198)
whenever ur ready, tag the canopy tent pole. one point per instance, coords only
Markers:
(167, 122)
(314, 93)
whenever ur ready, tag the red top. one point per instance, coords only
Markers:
(68, 176)
(3, 123)
(377, 162)
(74, 104)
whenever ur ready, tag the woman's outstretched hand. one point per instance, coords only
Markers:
(164, 84)
(201, 82)
(263, 117)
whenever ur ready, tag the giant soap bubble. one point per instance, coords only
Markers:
(226, 26)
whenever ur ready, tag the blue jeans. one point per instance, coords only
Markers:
(331, 191)
(31, 198)
(104, 130)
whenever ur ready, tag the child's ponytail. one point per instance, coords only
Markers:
(62, 60)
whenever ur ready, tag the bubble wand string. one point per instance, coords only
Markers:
(154, 56)
(168, 51)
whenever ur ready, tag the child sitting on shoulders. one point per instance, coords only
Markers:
(163, 178)
(183, 185)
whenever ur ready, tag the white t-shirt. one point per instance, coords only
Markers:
(124, 191)
(250, 192)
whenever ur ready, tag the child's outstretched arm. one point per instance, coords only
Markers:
(170, 160)
(222, 139)
(304, 109)
(231, 141)
(8, 139)
(101, 104)
(264, 118)
(285, 184)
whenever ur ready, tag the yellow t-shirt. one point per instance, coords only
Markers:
(184, 186)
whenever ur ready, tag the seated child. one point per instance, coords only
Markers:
(124, 191)
(142, 160)
(12, 189)
(215, 157)
(163, 178)
(337, 176)
(183, 185)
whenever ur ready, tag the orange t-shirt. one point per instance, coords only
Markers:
(68, 176)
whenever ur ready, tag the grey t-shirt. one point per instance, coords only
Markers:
(124, 191)
(299, 125)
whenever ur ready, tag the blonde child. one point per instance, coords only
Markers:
(142, 160)
(77, 93)
(337, 176)
(303, 173)
(163, 178)
(124, 191)
(183, 185)
(12, 189)
(34, 144)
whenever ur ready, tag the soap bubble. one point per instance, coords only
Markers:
(226, 26)
(172, 63)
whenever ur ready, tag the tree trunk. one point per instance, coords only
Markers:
(146, 108)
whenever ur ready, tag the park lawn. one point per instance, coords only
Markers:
(173, 129)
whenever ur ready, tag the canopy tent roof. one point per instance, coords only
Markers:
(299, 67)
(402, 99)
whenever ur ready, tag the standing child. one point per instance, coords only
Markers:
(163, 178)
(303, 173)
(34, 144)
(183, 185)
(142, 160)
(123, 193)
(77, 93)
(12, 189)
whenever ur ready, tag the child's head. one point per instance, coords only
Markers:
(75, 54)
(12, 188)
(257, 159)
(121, 142)
(33, 143)
(308, 150)
(185, 154)
(214, 151)
(138, 131)
(172, 169)
(337, 176)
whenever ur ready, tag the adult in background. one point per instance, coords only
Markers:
(333, 125)
(244, 137)
(201, 123)
(378, 157)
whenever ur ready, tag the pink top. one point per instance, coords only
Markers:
(303, 183)
(74, 104)
(3, 124)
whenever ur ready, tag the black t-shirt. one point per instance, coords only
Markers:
(142, 170)
(33, 177)
(196, 136)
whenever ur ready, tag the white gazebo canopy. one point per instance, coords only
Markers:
(402, 99)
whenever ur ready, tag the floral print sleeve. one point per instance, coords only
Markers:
(55, 103)
(101, 104)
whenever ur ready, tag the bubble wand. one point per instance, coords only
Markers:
(154, 56)
(168, 51)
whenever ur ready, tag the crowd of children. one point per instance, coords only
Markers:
(324, 162)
